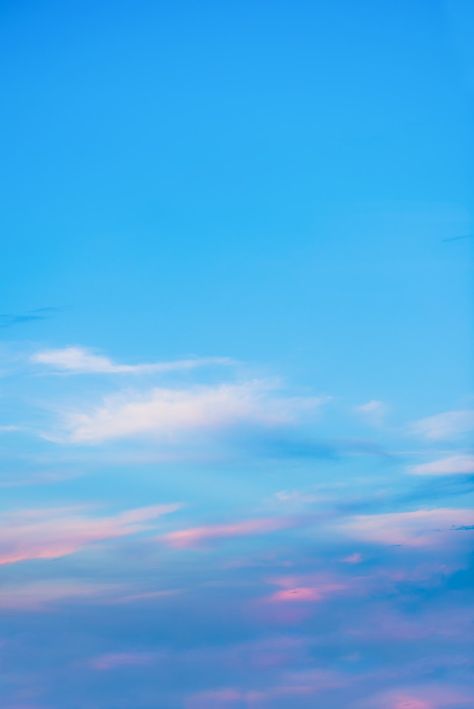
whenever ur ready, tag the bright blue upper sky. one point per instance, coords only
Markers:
(281, 184)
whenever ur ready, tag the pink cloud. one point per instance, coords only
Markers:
(300, 594)
(194, 536)
(432, 697)
(51, 533)
(355, 558)
(294, 601)
(303, 589)
(420, 528)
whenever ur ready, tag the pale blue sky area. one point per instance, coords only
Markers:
(236, 280)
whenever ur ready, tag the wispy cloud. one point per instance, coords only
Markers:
(164, 414)
(303, 589)
(419, 528)
(196, 536)
(354, 558)
(430, 697)
(451, 465)
(51, 533)
(373, 411)
(80, 360)
(444, 426)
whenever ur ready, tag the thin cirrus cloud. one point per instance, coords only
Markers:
(164, 413)
(373, 411)
(451, 465)
(52, 533)
(197, 536)
(80, 360)
(303, 589)
(418, 528)
(446, 425)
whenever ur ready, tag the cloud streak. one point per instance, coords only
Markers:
(444, 426)
(80, 360)
(419, 528)
(452, 465)
(196, 536)
(52, 533)
(164, 414)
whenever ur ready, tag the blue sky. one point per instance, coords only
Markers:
(236, 405)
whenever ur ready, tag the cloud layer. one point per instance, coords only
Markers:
(80, 360)
(51, 533)
(166, 414)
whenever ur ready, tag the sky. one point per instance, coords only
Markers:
(236, 393)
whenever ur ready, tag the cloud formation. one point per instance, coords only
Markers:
(80, 360)
(51, 533)
(452, 465)
(164, 414)
(195, 536)
(420, 528)
(373, 411)
(445, 426)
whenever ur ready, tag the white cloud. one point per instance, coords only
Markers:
(166, 414)
(452, 465)
(372, 411)
(449, 424)
(79, 360)
(296, 497)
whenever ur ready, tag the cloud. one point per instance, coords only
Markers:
(297, 497)
(452, 465)
(51, 533)
(80, 360)
(298, 594)
(355, 558)
(195, 536)
(372, 411)
(444, 426)
(431, 697)
(165, 414)
(303, 589)
(420, 528)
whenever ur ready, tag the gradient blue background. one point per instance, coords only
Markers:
(288, 184)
